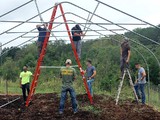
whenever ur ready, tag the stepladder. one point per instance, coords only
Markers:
(126, 72)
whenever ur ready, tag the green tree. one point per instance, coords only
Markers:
(9, 70)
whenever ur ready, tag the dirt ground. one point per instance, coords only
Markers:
(45, 107)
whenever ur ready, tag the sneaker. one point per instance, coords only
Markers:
(60, 112)
(75, 111)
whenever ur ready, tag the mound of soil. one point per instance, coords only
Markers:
(45, 107)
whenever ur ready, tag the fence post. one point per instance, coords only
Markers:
(159, 91)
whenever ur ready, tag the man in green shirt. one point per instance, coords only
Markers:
(25, 76)
(68, 75)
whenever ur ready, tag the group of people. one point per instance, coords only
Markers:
(140, 82)
(68, 74)
(76, 36)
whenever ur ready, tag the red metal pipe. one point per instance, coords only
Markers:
(37, 71)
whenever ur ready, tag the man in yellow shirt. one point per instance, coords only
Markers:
(25, 76)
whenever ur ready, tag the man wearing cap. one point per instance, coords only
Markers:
(76, 36)
(125, 55)
(41, 37)
(68, 75)
(25, 77)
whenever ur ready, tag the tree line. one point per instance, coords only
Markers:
(104, 52)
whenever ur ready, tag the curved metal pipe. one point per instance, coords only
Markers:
(122, 36)
(142, 36)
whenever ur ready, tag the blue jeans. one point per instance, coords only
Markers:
(63, 99)
(141, 87)
(78, 46)
(89, 82)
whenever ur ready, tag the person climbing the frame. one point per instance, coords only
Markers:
(25, 77)
(68, 75)
(140, 82)
(91, 73)
(41, 37)
(76, 36)
(125, 56)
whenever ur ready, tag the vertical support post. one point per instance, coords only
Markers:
(6, 86)
(159, 92)
(76, 56)
(148, 85)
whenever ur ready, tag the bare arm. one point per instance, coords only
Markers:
(20, 83)
(143, 75)
(94, 74)
(82, 34)
(37, 26)
(121, 51)
(76, 34)
(129, 55)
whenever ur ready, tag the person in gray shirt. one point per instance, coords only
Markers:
(140, 82)
(91, 73)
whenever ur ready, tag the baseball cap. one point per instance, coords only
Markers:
(68, 61)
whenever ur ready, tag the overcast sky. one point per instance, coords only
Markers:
(147, 10)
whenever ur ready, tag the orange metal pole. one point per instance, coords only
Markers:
(37, 71)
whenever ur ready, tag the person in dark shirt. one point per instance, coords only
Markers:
(125, 56)
(76, 36)
(41, 37)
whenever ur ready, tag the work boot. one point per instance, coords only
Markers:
(60, 112)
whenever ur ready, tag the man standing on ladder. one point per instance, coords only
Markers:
(41, 37)
(76, 36)
(125, 56)
(140, 82)
(68, 75)
(25, 77)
